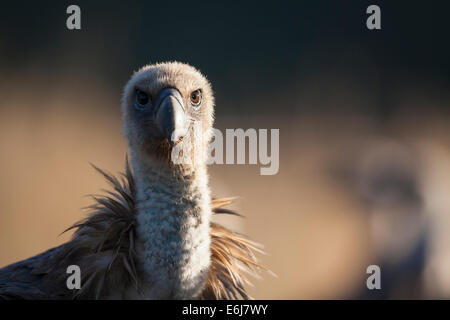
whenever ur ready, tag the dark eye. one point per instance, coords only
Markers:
(141, 99)
(195, 97)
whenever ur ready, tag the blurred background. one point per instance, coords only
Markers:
(364, 119)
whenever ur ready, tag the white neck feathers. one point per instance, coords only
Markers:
(173, 215)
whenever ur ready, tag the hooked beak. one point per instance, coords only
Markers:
(170, 116)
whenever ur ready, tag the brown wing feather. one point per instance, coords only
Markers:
(232, 260)
(103, 247)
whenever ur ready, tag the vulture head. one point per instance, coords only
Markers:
(168, 111)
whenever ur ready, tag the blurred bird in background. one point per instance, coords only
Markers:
(150, 238)
(385, 176)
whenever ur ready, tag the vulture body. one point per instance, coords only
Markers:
(152, 237)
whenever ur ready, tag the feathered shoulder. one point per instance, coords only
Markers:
(104, 247)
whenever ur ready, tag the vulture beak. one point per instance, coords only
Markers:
(170, 115)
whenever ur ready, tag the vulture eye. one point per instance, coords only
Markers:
(196, 97)
(141, 100)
